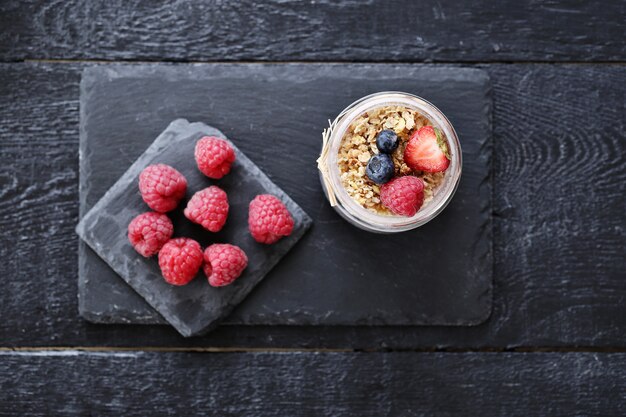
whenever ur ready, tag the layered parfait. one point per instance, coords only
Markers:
(392, 160)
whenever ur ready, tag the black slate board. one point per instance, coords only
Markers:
(195, 308)
(440, 274)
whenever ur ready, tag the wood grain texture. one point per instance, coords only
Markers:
(312, 384)
(559, 233)
(372, 30)
(560, 168)
(38, 189)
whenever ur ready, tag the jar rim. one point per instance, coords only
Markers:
(356, 213)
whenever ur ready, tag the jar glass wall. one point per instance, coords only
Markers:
(354, 212)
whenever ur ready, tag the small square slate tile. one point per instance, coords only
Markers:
(197, 307)
(439, 274)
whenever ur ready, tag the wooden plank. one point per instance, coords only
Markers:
(375, 30)
(559, 171)
(312, 384)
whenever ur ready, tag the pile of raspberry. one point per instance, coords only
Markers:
(162, 188)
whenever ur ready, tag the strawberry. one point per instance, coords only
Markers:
(427, 151)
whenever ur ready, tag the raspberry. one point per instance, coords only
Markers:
(268, 219)
(180, 260)
(223, 263)
(214, 156)
(208, 208)
(403, 195)
(149, 231)
(162, 187)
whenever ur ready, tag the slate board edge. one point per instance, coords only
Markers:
(292, 205)
(486, 191)
(236, 70)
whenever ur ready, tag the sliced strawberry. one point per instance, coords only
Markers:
(427, 151)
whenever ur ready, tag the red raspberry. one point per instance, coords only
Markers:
(162, 187)
(180, 260)
(208, 208)
(149, 231)
(268, 219)
(214, 156)
(223, 263)
(403, 195)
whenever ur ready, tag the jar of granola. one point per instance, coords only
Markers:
(350, 142)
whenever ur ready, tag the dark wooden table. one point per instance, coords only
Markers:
(555, 343)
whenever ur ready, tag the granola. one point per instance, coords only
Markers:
(358, 145)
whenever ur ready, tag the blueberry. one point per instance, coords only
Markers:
(380, 168)
(387, 141)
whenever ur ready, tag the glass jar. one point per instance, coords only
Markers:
(352, 211)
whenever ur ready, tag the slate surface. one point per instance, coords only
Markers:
(196, 307)
(439, 274)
